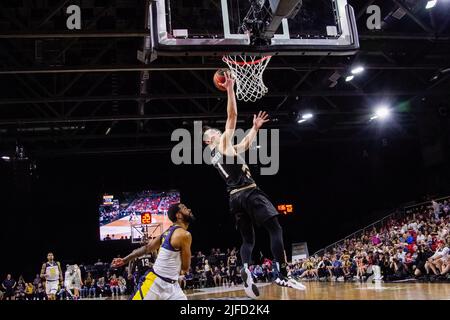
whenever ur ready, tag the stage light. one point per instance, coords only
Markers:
(381, 113)
(431, 4)
(6, 158)
(357, 70)
(305, 117)
(349, 78)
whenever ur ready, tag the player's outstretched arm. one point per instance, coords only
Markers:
(258, 122)
(148, 248)
(225, 145)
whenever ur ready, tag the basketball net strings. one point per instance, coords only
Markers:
(248, 72)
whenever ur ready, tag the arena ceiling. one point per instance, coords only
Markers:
(86, 92)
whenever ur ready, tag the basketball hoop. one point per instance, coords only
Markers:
(248, 72)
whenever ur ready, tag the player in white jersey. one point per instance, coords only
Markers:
(52, 273)
(174, 258)
(73, 281)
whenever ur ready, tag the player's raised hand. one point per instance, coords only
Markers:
(229, 81)
(259, 120)
(117, 262)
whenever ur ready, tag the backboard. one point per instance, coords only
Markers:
(215, 27)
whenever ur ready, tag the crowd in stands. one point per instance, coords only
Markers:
(412, 247)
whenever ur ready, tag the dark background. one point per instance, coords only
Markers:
(96, 132)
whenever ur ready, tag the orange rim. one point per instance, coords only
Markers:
(243, 63)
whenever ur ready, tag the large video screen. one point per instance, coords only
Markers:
(120, 214)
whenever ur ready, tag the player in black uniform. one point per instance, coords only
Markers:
(248, 203)
(138, 268)
(232, 266)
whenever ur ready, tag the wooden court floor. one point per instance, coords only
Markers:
(335, 291)
(327, 291)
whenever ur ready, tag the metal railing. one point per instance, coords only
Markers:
(401, 212)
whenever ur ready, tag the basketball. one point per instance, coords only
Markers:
(219, 78)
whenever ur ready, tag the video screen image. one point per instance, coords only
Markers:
(119, 212)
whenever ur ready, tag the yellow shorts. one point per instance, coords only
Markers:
(154, 288)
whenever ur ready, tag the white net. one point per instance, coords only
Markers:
(248, 72)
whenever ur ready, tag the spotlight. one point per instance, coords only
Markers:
(305, 117)
(357, 70)
(381, 113)
(431, 4)
(6, 158)
(349, 78)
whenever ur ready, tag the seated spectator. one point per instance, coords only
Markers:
(122, 285)
(436, 261)
(436, 209)
(9, 286)
(29, 291)
(310, 270)
(20, 289)
(258, 273)
(36, 281)
(196, 277)
(200, 258)
(202, 277)
(217, 277)
(422, 256)
(208, 274)
(114, 285)
(189, 278)
(93, 289)
(398, 270)
(409, 262)
(88, 288)
(101, 286)
(337, 269)
(225, 275)
(40, 292)
(323, 267)
(361, 266)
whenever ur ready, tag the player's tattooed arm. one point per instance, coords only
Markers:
(43, 271)
(149, 248)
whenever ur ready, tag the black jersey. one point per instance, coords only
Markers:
(233, 170)
(143, 264)
(233, 261)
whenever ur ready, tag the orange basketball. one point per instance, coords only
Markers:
(219, 78)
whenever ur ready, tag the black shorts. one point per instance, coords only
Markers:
(251, 205)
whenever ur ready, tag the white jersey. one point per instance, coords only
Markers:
(51, 271)
(168, 262)
(72, 278)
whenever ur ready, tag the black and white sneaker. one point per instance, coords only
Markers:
(251, 290)
(289, 283)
